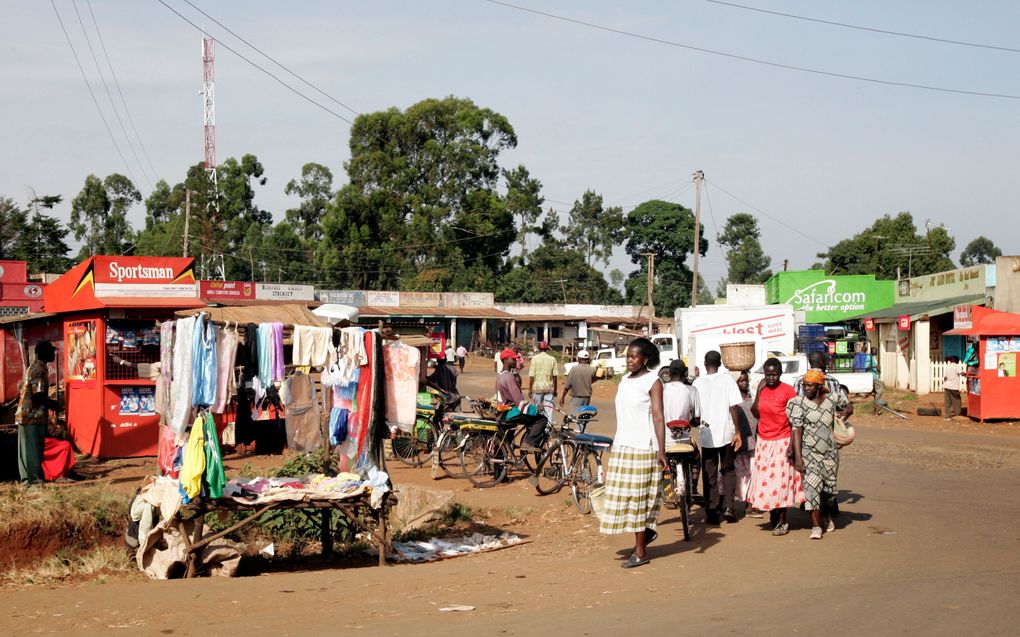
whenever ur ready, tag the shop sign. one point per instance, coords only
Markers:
(903, 323)
(355, 298)
(869, 325)
(421, 299)
(945, 285)
(160, 277)
(830, 299)
(468, 299)
(963, 317)
(382, 299)
(284, 292)
(226, 290)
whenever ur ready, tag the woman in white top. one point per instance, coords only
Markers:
(636, 463)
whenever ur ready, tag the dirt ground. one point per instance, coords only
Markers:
(928, 543)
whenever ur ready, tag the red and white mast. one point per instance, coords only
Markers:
(209, 113)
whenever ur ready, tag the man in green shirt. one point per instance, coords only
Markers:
(543, 375)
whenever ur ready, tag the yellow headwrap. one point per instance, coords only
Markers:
(817, 377)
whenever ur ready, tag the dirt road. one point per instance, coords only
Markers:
(928, 544)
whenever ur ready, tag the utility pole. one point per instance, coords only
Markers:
(786, 265)
(651, 291)
(187, 219)
(699, 176)
(563, 288)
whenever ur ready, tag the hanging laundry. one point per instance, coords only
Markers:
(250, 358)
(181, 387)
(226, 351)
(302, 412)
(212, 478)
(166, 371)
(313, 345)
(277, 343)
(338, 425)
(167, 449)
(204, 362)
(401, 368)
(194, 461)
(265, 354)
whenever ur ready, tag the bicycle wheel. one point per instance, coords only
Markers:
(681, 486)
(529, 459)
(551, 472)
(415, 447)
(446, 455)
(585, 479)
(483, 459)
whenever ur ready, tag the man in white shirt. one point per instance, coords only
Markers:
(461, 355)
(720, 437)
(680, 400)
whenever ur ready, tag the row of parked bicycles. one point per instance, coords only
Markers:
(486, 446)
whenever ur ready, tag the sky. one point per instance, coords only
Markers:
(816, 158)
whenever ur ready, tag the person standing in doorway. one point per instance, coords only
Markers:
(951, 388)
(720, 437)
(461, 356)
(579, 382)
(543, 377)
(33, 418)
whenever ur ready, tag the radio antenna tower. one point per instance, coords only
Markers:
(209, 114)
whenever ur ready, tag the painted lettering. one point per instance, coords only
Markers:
(120, 272)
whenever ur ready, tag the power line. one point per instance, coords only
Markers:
(272, 59)
(711, 213)
(106, 124)
(864, 28)
(116, 83)
(106, 87)
(762, 212)
(256, 66)
(744, 58)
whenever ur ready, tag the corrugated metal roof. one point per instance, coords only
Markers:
(286, 313)
(917, 309)
(433, 312)
(26, 318)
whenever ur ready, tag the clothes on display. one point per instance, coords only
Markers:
(204, 363)
(180, 386)
(226, 384)
(302, 412)
(313, 346)
(401, 368)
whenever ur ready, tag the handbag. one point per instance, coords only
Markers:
(843, 433)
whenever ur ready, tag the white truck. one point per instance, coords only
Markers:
(615, 357)
(795, 366)
(706, 327)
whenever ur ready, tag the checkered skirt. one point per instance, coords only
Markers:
(633, 491)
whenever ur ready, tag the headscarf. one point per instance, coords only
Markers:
(817, 377)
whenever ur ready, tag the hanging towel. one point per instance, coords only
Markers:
(194, 461)
(401, 368)
(265, 353)
(226, 350)
(213, 477)
(204, 362)
(277, 341)
(251, 351)
(312, 345)
(180, 387)
(166, 371)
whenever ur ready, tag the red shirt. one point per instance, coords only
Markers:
(773, 423)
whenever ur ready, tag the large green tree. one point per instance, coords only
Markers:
(593, 228)
(978, 251)
(421, 211)
(666, 230)
(524, 201)
(891, 245)
(99, 215)
(13, 221)
(555, 273)
(315, 188)
(746, 260)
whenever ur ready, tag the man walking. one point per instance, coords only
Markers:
(33, 414)
(579, 382)
(951, 388)
(543, 376)
(461, 355)
(720, 437)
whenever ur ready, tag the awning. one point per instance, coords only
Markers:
(286, 313)
(26, 318)
(918, 309)
(407, 311)
(989, 322)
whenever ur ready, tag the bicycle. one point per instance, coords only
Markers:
(446, 454)
(415, 447)
(682, 456)
(492, 449)
(575, 457)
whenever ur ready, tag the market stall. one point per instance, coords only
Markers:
(993, 385)
(108, 309)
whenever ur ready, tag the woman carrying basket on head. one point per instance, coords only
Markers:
(634, 475)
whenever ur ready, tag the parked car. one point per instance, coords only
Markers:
(795, 366)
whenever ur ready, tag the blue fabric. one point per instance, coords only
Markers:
(265, 336)
(338, 425)
(203, 362)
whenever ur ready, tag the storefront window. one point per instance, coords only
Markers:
(131, 347)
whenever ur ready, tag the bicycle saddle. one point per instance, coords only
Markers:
(678, 424)
(594, 439)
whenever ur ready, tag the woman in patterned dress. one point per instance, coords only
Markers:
(816, 455)
(637, 460)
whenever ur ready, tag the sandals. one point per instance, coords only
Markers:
(634, 561)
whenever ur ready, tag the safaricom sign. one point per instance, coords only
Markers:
(823, 297)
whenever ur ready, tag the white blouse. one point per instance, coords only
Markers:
(634, 413)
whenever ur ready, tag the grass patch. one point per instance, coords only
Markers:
(69, 512)
(103, 560)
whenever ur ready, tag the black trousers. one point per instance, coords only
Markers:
(718, 477)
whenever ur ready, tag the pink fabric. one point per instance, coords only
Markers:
(166, 451)
(774, 482)
(226, 351)
(401, 362)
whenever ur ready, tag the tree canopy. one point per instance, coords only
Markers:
(746, 261)
(980, 250)
(892, 245)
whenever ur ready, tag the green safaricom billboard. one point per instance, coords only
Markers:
(827, 298)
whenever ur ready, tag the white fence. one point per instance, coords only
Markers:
(938, 370)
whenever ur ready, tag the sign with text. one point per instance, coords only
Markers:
(284, 292)
(903, 323)
(161, 277)
(382, 299)
(963, 317)
(421, 299)
(226, 290)
(827, 298)
(946, 285)
(355, 298)
(869, 325)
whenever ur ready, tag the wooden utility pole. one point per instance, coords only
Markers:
(698, 177)
(651, 291)
(187, 219)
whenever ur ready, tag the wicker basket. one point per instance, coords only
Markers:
(737, 357)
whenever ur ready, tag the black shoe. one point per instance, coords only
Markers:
(634, 561)
(730, 515)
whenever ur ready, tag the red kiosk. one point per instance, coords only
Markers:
(993, 386)
(108, 307)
